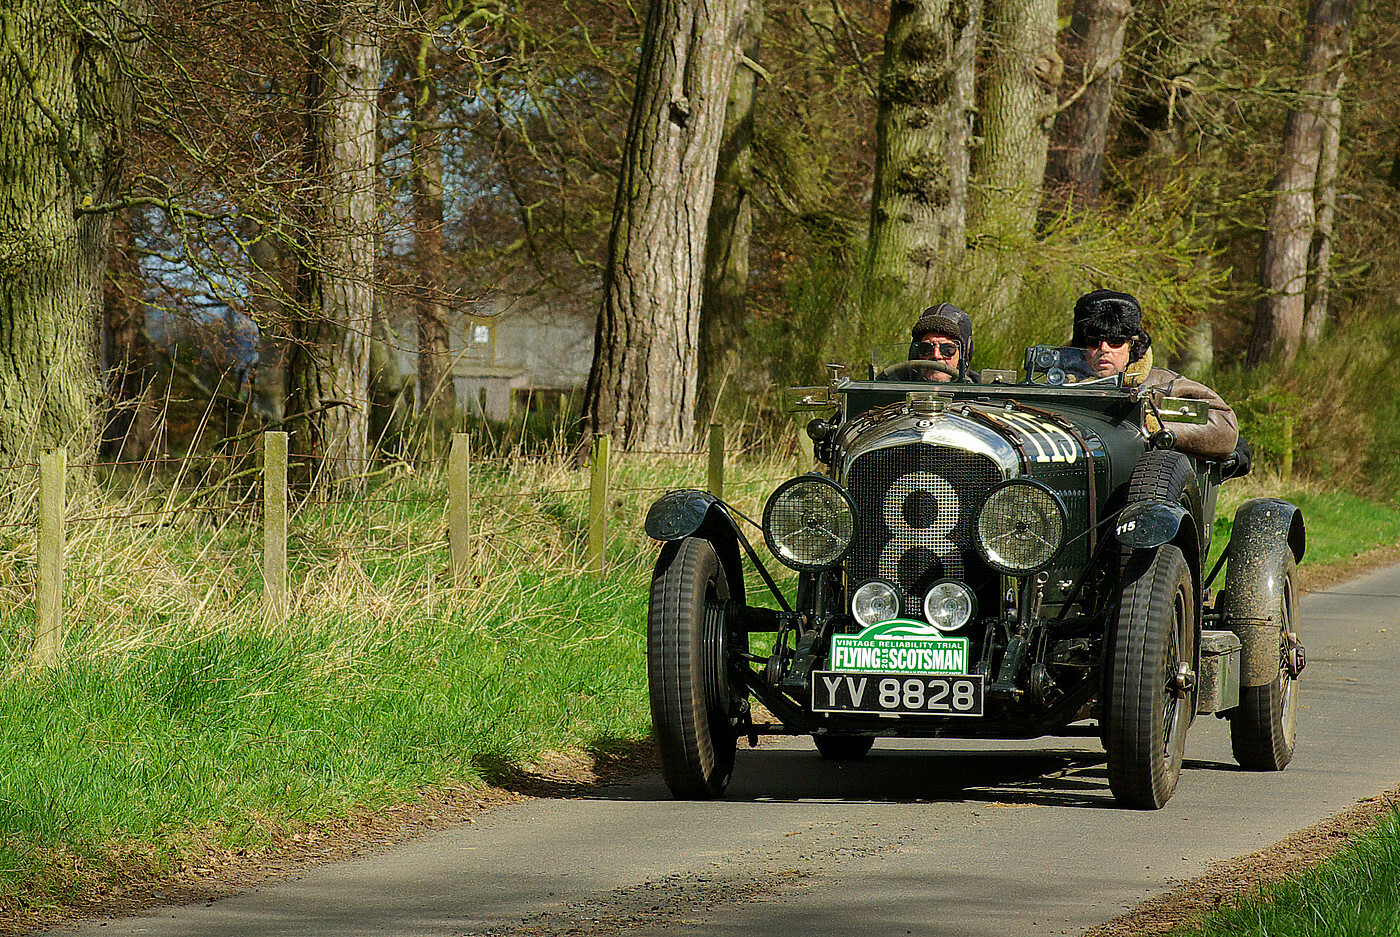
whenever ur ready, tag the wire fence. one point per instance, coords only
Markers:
(252, 501)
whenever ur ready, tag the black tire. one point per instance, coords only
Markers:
(692, 704)
(1264, 729)
(843, 747)
(1164, 475)
(1150, 701)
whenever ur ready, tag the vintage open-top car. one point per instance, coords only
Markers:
(1001, 559)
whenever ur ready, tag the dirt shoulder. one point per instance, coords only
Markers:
(208, 873)
(1232, 879)
(1319, 578)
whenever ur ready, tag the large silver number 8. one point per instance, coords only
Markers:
(904, 538)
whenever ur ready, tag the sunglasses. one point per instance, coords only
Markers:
(1114, 342)
(925, 351)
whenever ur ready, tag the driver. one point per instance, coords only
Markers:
(1108, 326)
(944, 334)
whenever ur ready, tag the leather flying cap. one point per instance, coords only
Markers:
(1110, 314)
(949, 321)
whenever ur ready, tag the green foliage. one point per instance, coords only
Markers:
(1346, 422)
(224, 730)
(1354, 894)
(1340, 526)
(829, 313)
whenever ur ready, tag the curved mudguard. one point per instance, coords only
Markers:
(1147, 524)
(1265, 532)
(688, 512)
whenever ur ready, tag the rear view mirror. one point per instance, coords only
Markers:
(1182, 410)
(801, 399)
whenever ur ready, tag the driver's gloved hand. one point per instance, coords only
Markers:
(1240, 461)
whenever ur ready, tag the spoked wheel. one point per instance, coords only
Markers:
(1151, 697)
(1264, 728)
(693, 708)
(843, 747)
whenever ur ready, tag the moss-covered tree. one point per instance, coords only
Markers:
(1022, 75)
(1094, 64)
(918, 212)
(63, 113)
(1292, 219)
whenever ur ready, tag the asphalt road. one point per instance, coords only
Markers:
(929, 838)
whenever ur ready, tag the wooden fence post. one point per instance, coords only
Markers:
(716, 479)
(598, 507)
(48, 574)
(459, 507)
(274, 529)
(1287, 472)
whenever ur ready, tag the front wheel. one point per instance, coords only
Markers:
(693, 709)
(1151, 677)
(1264, 729)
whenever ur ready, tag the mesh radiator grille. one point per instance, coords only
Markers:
(917, 508)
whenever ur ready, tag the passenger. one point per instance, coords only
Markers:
(943, 333)
(1108, 326)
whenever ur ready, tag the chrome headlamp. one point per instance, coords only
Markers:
(1021, 527)
(949, 604)
(809, 522)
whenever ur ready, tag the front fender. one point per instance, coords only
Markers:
(689, 512)
(1266, 531)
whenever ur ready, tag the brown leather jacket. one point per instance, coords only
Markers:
(1215, 439)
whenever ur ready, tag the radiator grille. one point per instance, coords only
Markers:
(917, 507)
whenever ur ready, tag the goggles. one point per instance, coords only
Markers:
(927, 351)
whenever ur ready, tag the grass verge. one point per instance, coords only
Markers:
(1356, 893)
(178, 725)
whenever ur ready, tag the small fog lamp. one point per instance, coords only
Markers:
(949, 604)
(875, 601)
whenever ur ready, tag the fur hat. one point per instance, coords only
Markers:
(1110, 314)
(949, 321)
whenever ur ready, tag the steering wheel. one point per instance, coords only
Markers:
(926, 364)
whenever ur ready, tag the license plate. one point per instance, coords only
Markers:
(897, 694)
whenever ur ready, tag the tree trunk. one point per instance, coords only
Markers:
(1290, 222)
(723, 310)
(1093, 68)
(328, 367)
(63, 110)
(918, 211)
(968, 26)
(642, 386)
(1316, 315)
(1024, 72)
(437, 394)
